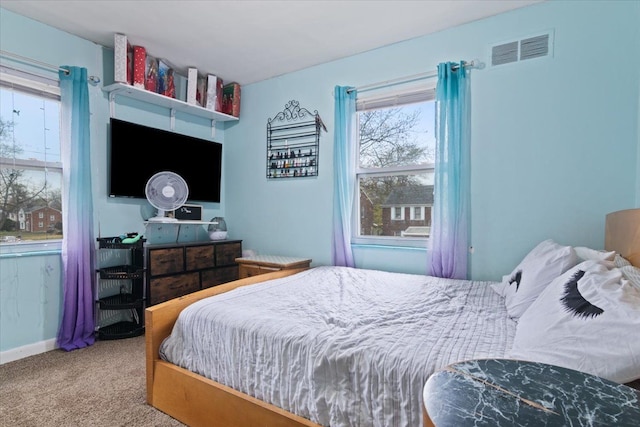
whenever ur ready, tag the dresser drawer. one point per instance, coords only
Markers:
(165, 288)
(218, 276)
(227, 253)
(166, 261)
(199, 257)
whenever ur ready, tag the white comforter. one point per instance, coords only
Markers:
(341, 346)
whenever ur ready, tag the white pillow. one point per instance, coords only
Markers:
(585, 254)
(588, 319)
(544, 263)
(620, 261)
(632, 274)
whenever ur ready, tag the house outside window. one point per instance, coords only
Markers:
(30, 158)
(395, 166)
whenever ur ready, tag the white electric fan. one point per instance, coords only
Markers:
(166, 191)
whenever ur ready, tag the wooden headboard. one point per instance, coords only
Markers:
(622, 234)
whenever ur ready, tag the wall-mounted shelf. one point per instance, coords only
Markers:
(179, 222)
(176, 225)
(163, 101)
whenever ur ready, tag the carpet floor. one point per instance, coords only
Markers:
(101, 385)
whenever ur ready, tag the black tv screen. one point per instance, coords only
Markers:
(137, 152)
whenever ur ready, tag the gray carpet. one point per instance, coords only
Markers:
(102, 385)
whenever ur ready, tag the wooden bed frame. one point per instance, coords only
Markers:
(198, 401)
(194, 399)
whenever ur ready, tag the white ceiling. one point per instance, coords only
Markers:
(249, 41)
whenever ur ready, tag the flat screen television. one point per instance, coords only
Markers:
(137, 152)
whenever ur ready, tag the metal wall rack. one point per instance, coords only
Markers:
(293, 141)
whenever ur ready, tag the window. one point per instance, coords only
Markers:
(395, 167)
(417, 213)
(397, 213)
(30, 158)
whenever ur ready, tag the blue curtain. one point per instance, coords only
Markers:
(344, 174)
(77, 327)
(450, 214)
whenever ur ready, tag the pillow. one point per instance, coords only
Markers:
(585, 254)
(544, 263)
(588, 320)
(632, 274)
(620, 261)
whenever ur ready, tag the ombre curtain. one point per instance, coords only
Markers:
(448, 244)
(77, 327)
(344, 174)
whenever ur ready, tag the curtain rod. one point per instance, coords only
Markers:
(422, 76)
(33, 61)
(92, 79)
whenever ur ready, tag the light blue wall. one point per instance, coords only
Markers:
(30, 301)
(554, 141)
(555, 146)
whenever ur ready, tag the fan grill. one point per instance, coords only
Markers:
(166, 191)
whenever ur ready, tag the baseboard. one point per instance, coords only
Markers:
(27, 350)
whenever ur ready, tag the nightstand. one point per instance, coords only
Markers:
(503, 392)
(261, 264)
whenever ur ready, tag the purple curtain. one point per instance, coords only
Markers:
(449, 241)
(344, 174)
(77, 326)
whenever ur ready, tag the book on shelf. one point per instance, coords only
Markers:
(151, 77)
(214, 93)
(139, 66)
(122, 59)
(166, 84)
(201, 91)
(231, 99)
(192, 86)
(181, 86)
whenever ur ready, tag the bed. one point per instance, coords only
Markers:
(362, 364)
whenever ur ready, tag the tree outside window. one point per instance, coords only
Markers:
(30, 161)
(395, 170)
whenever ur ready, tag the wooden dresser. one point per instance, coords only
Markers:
(179, 269)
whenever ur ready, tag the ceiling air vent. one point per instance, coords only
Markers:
(537, 46)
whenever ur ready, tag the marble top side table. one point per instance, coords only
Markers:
(502, 392)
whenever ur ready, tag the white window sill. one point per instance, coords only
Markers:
(407, 242)
(30, 248)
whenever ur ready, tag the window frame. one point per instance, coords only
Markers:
(424, 92)
(394, 217)
(49, 89)
(412, 213)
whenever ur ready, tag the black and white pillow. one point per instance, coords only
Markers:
(544, 263)
(588, 319)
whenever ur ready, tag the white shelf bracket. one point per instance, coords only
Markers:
(112, 104)
(173, 119)
(213, 128)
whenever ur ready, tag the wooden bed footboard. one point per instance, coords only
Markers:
(192, 398)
